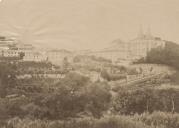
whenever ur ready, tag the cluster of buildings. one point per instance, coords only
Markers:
(118, 51)
(10, 47)
(137, 48)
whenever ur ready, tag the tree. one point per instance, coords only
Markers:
(68, 98)
(7, 77)
(168, 55)
(21, 55)
(105, 75)
(145, 100)
(99, 98)
(76, 59)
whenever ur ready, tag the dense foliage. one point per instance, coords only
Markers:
(81, 58)
(76, 102)
(169, 55)
(146, 100)
(71, 96)
(112, 77)
(154, 120)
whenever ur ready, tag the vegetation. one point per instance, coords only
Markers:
(107, 122)
(80, 58)
(76, 102)
(70, 97)
(112, 77)
(146, 100)
(159, 119)
(168, 55)
(154, 120)
(174, 78)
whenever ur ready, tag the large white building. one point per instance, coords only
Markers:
(10, 47)
(24, 47)
(139, 47)
(134, 49)
(57, 56)
(53, 56)
(6, 42)
(36, 56)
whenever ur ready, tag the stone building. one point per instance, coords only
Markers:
(58, 56)
(120, 51)
(35, 56)
(6, 43)
(140, 46)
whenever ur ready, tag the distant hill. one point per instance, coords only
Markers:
(116, 42)
(115, 45)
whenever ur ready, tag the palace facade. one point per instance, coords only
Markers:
(121, 51)
(139, 47)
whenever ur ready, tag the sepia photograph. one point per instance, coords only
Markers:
(89, 63)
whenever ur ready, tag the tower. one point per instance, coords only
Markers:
(148, 32)
(140, 33)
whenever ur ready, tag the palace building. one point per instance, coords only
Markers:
(139, 47)
(134, 49)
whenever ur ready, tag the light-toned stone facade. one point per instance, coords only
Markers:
(131, 50)
(140, 46)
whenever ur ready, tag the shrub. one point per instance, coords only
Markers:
(146, 100)
(119, 122)
(99, 99)
(174, 78)
(106, 122)
(158, 119)
(111, 77)
(169, 55)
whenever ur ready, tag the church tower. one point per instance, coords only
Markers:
(140, 33)
(148, 33)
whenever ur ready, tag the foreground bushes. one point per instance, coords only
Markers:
(107, 122)
(146, 100)
(159, 119)
(154, 120)
(72, 96)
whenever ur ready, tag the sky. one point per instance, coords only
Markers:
(87, 24)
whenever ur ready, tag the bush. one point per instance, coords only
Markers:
(73, 96)
(106, 122)
(146, 120)
(99, 99)
(174, 78)
(169, 55)
(111, 77)
(158, 119)
(119, 122)
(146, 100)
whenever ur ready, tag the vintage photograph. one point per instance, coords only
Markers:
(89, 63)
